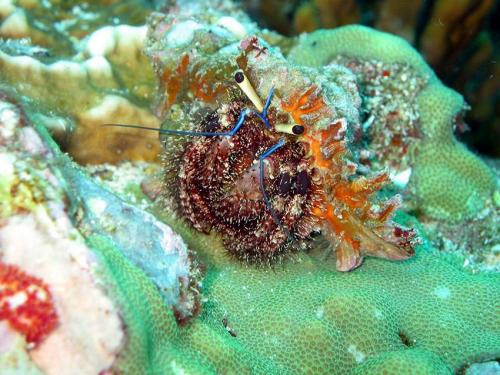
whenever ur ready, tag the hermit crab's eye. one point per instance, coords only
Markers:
(245, 86)
(293, 129)
(239, 77)
(297, 129)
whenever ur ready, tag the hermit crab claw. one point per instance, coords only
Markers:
(348, 258)
(385, 242)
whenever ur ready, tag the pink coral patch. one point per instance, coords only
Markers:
(26, 303)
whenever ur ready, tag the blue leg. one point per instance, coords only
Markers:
(267, 202)
(263, 115)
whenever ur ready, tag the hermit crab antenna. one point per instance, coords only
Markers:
(245, 86)
(263, 115)
(268, 102)
(229, 133)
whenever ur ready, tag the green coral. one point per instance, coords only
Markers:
(408, 362)
(449, 181)
(425, 313)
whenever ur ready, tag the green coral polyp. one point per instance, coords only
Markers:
(408, 362)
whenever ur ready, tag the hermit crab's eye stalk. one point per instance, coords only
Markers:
(245, 86)
(289, 129)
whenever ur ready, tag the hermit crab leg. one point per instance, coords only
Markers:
(267, 202)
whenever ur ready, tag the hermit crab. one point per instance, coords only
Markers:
(256, 174)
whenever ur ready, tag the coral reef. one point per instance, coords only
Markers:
(477, 240)
(330, 326)
(426, 313)
(448, 181)
(39, 184)
(58, 27)
(304, 318)
(37, 237)
(85, 89)
(126, 287)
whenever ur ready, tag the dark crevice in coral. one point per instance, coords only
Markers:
(405, 339)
